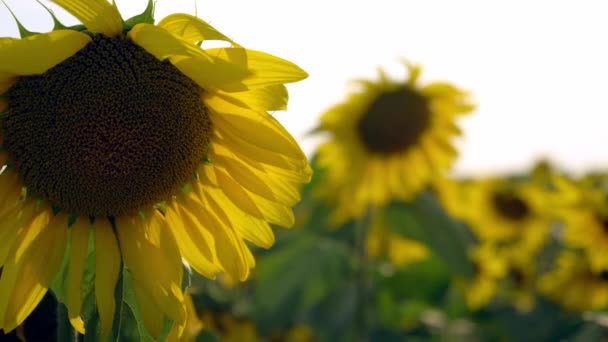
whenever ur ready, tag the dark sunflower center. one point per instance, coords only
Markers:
(108, 131)
(603, 275)
(603, 221)
(510, 206)
(395, 121)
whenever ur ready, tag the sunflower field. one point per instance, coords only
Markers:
(148, 193)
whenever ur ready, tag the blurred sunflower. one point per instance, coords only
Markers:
(161, 150)
(584, 214)
(229, 328)
(490, 268)
(501, 273)
(574, 284)
(388, 140)
(503, 211)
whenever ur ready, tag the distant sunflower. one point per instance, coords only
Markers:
(574, 284)
(504, 211)
(490, 269)
(500, 274)
(161, 150)
(387, 141)
(585, 218)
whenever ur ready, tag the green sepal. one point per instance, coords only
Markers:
(146, 17)
(57, 25)
(23, 32)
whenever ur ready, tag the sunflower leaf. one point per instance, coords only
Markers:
(424, 220)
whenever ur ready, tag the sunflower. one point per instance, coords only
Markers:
(503, 211)
(490, 268)
(501, 274)
(584, 215)
(574, 284)
(387, 141)
(159, 149)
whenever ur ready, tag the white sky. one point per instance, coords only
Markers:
(537, 69)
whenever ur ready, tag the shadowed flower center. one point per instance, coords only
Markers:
(108, 131)
(510, 206)
(603, 275)
(603, 221)
(394, 121)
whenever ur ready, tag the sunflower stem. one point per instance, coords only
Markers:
(362, 279)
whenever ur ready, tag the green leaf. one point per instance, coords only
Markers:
(424, 220)
(294, 279)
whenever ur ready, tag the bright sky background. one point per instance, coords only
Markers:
(537, 69)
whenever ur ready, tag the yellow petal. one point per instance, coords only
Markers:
(191, 28)
(228, 246)
(79, 244)
(6, 82)
(250, 227)
(162, 44)
(152, 316)
(195, 243)
(266, 69)
(273, 97)
(12, 224)
(146, 242)
(36, 54)
(250, 152)
(107, 268)
(272, 186)
(212, 73)
(10, 192)
(97, 15)
(34, 271)
(258, 128)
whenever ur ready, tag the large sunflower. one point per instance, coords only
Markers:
(161, 150)
(388, 140)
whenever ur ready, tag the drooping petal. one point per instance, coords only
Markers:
(107, 268)
(266, 69)
(149, 311)
(146, 242)
(196, 244)
(191, 28)
(12, 224)
(79, 243)
(32, 266)
(36, 54)
(228, 246)
(97, 15)
(251, 227)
